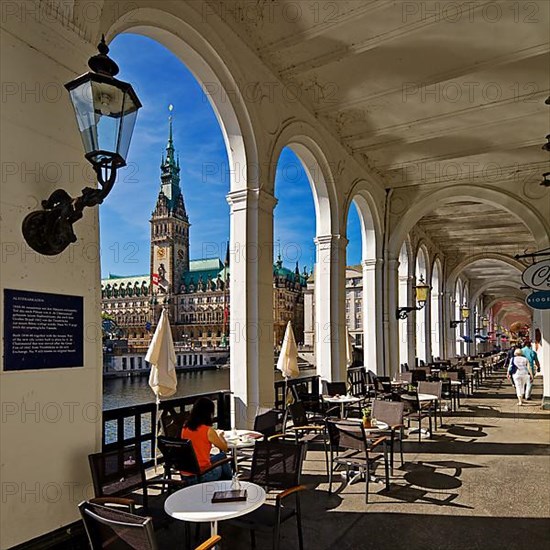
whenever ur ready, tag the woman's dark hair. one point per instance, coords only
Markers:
(202, 413)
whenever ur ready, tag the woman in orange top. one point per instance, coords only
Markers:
(198, 429)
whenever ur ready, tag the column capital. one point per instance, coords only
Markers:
(371, 263)
(245, 198)
(325, 241)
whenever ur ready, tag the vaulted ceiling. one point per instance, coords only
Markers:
(422, 92)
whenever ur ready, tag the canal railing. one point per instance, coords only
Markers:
(136, 424)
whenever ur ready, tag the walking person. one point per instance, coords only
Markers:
(521, 373)
(533, 359)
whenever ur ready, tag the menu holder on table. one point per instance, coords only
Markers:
(238, 495)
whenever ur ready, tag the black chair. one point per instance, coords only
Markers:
(416, 411)
(269, 423)
(350, 448)
(419, 375)
(301, 393)
(119, 474)
(172, 422)
(276, 465)
(113, 529)
(179, 456)
(334, 388)
(357, 381)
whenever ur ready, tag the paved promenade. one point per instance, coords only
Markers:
(482, 482)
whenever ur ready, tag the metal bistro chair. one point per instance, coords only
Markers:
(117, 476)
(391, 412)
(433, 388)
(269, 422)
(172, 422)
(350, 448)
(304, 429)
(276, 465)
(179, 456)
(113, 529)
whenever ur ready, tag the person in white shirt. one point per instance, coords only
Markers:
(521, 372)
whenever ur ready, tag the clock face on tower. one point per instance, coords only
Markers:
(161, 253)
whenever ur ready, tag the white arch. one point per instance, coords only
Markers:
(512, 297)
(539, 227)
(457, 269)
(371, 240)
(303, 140)
(183, 39)
(487, 285)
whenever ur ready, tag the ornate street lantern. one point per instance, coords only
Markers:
(422, 291)
(106, 111)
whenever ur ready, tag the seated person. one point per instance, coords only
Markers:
(198, 429)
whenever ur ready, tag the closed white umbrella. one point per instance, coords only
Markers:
(288, 358)
(162, 356)
(349, 348)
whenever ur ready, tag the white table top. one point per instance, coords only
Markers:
(342, 399)
(194, 503)
(237, 439)
(379, 427)
(421, 397)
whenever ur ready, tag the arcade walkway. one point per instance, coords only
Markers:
(479, 483)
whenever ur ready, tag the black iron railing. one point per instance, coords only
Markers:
(136, 425)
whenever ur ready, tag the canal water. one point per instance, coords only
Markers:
(124, 392)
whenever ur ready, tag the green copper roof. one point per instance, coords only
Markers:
(208, 263)
(123, 280)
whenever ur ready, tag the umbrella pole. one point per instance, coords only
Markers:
(157, 422)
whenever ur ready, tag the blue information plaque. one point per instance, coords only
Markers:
(42, 331)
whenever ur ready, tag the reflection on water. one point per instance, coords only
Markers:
(123, 392)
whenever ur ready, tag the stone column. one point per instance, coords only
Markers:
(411, 322)
(391, 322)
(373, 353)
(428, 327)
(403, 324)
(251, 287)
(330, 295)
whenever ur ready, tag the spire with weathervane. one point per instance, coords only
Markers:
(170, 174)
(169, 224)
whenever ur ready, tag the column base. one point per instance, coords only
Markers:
(546, 403)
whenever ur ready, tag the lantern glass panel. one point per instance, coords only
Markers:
(422, 293)
(106, 113)
(465, 312)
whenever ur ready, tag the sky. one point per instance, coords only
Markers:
(161, 79)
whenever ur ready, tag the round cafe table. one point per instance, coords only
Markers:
(195, 504)
(342, 400)
(378, 427)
